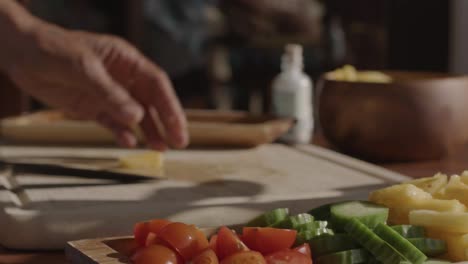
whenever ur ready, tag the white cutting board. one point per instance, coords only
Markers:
(205, 187)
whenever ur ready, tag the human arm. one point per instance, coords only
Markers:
(91, 76)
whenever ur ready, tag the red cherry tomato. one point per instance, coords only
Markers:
(151, 239)
(142, 229)
(213, 242)
(245, 257)
(202, 240)
(183, 238)
(156, 254)
(157, 225)
(248, 237)
(304, 249)
(267, 240)
(288, 256)
(208, 256)
(228, 243)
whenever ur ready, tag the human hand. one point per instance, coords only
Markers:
(98, 77)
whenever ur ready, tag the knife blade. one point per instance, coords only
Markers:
(110, 170)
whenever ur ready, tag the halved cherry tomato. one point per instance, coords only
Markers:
(213, 242)
(157, 225)
(151, 239)
(304, 249)
(208, 256)
(288, 256)
(156, 254)
(183, 238)
(267, 240)
(142, 229)
(228, 243)
(245, 257)
(202, 240)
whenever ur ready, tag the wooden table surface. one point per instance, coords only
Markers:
(453, 164)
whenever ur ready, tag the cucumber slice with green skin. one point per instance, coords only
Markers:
(312, 226)
(410, 231)
(321, 224)
(330, 244)
(293, 222)
(436, 261)
(382, 251)
(429, 261)
(269, 218)
(430, 247)
(354, 256)
(368, 213)
(307, 235)
(398, 242)
(307, 227)
(374, 261)
(321, 213)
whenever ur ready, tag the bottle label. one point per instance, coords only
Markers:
(285, 104)
(301, 132)
(289, 104)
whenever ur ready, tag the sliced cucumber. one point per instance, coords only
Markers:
(331, 244)
(398, 242)
(353, 256)
(269, 218)
(430, 247)
(368, 213)
(294, 222)
(312, 226)
(321, 213)
(410, 231)
(306, 235)
(374, 261)
(436, 261)
(369, 240)
(321, 224)
(429, 261)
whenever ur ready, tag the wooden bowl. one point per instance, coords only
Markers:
(418, 116)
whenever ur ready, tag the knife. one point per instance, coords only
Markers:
(17, 194)
(108, 169)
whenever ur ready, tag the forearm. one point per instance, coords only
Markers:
(16, 23)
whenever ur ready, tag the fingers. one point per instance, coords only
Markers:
(124, 136)
(114, 100)
(156, 88)
(152, 130)
(117, 110)
(164, 120)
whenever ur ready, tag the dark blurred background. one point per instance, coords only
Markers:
(223, 54)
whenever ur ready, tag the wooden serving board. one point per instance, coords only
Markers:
(111, 250)
(116, 250)
(206, 128)
(204, 187)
